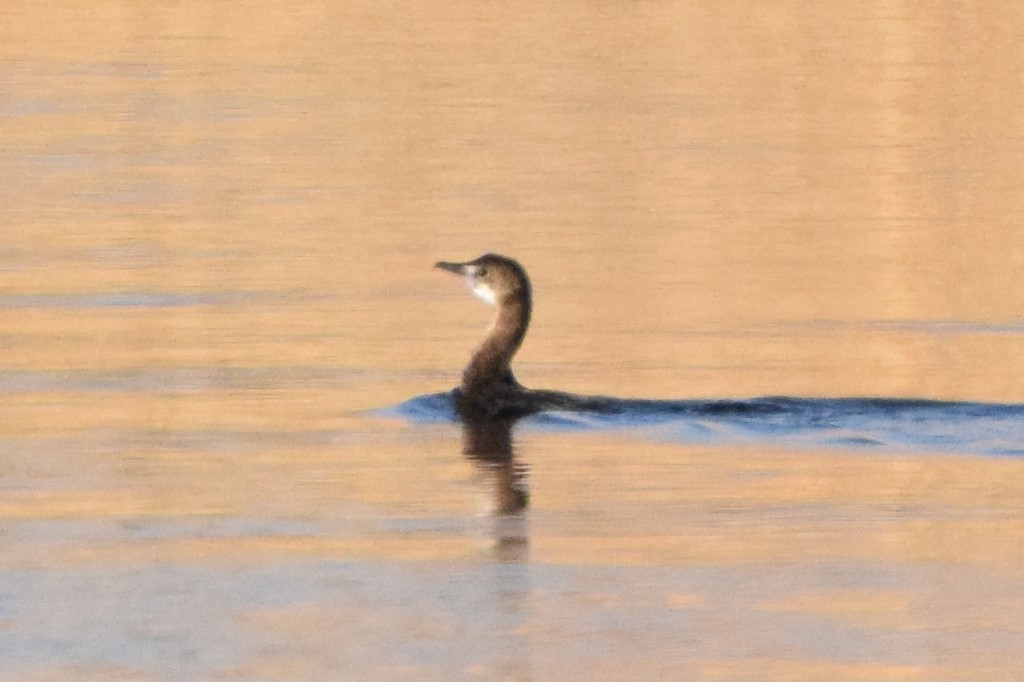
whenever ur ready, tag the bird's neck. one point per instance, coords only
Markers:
(491, 363)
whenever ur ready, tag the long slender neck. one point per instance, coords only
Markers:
(491, 362)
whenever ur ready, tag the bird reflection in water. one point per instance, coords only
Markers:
(487, 444)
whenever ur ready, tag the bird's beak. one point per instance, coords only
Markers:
(457, 268)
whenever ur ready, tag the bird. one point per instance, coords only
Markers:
(488, 388)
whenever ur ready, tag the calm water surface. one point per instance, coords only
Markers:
(216, 302)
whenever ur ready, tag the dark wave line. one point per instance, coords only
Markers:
(874, 423)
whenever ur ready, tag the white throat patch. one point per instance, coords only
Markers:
(483, 291)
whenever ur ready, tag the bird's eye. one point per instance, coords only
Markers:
(481, 272)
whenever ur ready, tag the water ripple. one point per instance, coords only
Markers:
(129, 299)
(889, 424)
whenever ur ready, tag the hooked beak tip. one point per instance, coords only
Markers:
(450, 267)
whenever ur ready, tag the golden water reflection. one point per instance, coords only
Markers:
(217, 232)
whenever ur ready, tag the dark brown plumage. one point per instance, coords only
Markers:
(488, 387)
